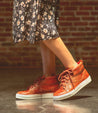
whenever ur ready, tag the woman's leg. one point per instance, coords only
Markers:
(73, 79)
(44, 86)
(48, 60)
(59, 49)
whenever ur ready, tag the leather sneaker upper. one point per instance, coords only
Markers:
(42, 85)
(70, 79)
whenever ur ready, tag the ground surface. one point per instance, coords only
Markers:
(13, 80)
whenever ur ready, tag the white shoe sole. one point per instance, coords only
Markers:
(47, 95)
(74, 91)
(35, 96)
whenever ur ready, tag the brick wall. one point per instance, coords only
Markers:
(78, 28)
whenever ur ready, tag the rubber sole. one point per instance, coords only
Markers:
(47, 95)
(35, 96)
(74, 91)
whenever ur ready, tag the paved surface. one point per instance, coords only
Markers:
(13, 80)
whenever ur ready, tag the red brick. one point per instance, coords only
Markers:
(15, 49)
(70, 44)
(95, 29)
(92, 3)
(73, 29)
(92, 33)
(84, 29)
(82, 44)
(3, 39)
(70, 8)
(4, 4)
(86, 8)
(3, 49)
(65, 23)
(77, 3)
(94, 53)
(1, 19)
(79, 34)
(65, 34)
(94, 13)
(89, 58)
(89, 18)
(90, 48)
(62, 3)
(95, 43)
(72, 18)
(5, 34)
(82, 13)
(93, 23)
(80, 23)
(96, 8)
(6, 54)
(14, 58)
(67, 13)
(5, 14)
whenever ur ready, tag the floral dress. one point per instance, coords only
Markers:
(35, 20)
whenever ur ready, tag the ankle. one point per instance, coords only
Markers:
(72, 67)
(75, 66)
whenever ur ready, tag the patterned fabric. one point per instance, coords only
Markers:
(35, 20)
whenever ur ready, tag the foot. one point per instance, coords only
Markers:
(44, 87)
(71, 81)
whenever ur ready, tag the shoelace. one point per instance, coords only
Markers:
(64, 77)
(37, 82)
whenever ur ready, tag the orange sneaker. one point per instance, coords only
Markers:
(71, 81)
(42, 88)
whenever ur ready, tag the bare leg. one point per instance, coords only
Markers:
(48, 60)
(60, 50)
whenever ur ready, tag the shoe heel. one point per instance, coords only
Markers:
(83, 84)
(88, 80)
